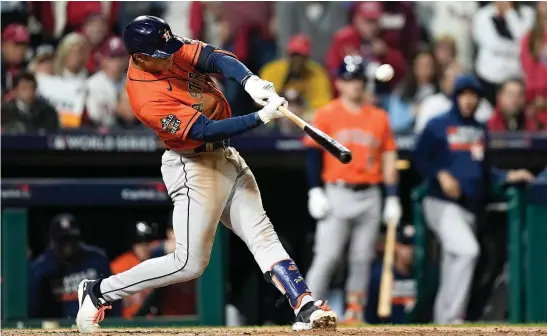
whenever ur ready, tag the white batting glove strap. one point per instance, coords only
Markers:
(270, 111)
(318, 204)
(260, 90)
(392, 210)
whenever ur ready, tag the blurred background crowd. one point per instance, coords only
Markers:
(63, 63)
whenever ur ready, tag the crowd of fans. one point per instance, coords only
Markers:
(63, 63)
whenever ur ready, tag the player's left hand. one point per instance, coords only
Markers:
(520, 175)
(392, 210)
(260, 90)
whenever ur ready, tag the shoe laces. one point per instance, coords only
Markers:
(99, 315)
(323, 306)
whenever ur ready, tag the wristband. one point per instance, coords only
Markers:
(392, 190)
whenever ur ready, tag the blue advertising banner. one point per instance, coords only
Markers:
(146, 142)
(83, 192)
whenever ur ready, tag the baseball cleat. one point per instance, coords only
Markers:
(92, 308)
(315, 315)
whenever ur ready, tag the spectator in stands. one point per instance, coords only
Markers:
(103, 87)
(124, 118)
(534, 60)
(176, 299)
(318, 20)
(445, 52)
(65, 90)
(296, 71)
(13, 12)
(95, 30)
(26, 112)
(452, 18)
(60, 17)
(421, 83)
(42, 63)
(138, 304)
(71, 57)
(510, 113)
(400, 29)
(55, 275)
(440, 103)
(15, 39)
(205, 21)
(404, 284)
(365, 38)
(498, 30)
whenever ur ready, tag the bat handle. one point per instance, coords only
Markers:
(293, 117)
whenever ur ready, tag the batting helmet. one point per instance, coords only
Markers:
(152, 36)
(352, 68)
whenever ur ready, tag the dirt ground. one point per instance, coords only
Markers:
(275, 331)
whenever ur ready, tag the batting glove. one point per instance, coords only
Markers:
(392, 210)
(260, 90)
(318, 204)
(270, 111)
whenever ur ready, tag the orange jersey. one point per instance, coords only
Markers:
(131, 304)
(170, 102)
(366, 134)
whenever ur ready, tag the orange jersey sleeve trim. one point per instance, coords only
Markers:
(170, 119)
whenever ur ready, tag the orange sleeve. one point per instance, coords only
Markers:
(388, 142)
(192, 49)
(170, 119)
(319, 121)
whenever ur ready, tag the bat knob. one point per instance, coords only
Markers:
(345, 157)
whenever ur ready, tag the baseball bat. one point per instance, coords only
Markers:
(386, 285)
(332, 146)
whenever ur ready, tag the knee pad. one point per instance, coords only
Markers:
(287, 278)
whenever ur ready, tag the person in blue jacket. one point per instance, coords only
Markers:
(404, 289)
(452, 157)
(55, 274)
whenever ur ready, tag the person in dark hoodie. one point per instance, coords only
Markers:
(451, 157)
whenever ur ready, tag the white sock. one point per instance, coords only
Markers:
(305, 299)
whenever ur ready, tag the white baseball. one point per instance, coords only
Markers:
(384, 73)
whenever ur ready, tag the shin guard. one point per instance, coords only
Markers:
(287, 278)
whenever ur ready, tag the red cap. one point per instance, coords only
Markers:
(370, 10)
(299, 44)
(16, 33)
(113, 47)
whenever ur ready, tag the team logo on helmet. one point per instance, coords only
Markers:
(166, 35)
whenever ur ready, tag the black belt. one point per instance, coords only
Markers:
(355, 187)
(207, 147)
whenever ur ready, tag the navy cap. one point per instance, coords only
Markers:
(352, 68)
(144, 232)
(405, 234)
(63, 226)
(152, 36)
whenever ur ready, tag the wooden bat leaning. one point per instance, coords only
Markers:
(386, 285)
(332, 146)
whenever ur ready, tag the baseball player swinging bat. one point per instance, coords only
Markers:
(386, 285)
(332, 146)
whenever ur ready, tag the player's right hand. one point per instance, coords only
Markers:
(449, 184)
(270, 111)
(318, 204)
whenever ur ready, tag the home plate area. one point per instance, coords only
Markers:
(274, 331)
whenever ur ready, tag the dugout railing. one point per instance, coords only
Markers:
(18, 196)
(526, 250)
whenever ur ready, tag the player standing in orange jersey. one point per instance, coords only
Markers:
(208, 180)
(348, 207)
